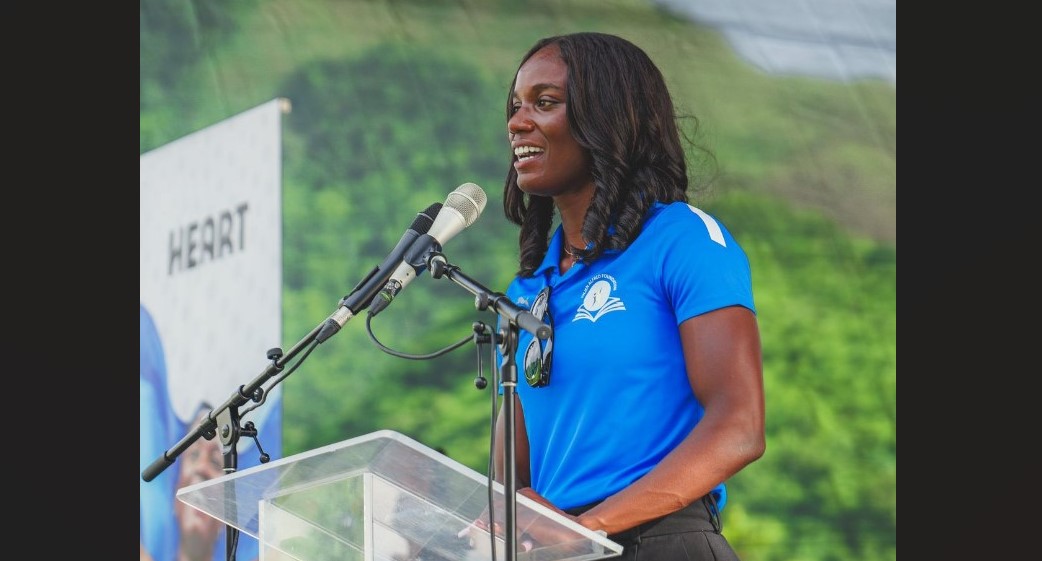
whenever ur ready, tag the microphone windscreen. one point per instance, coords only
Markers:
(423, 220)
(469, 200)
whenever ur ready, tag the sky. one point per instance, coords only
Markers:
(834, 39)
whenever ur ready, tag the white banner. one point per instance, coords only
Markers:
(211, 284)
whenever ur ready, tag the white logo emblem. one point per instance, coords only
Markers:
(597, 300)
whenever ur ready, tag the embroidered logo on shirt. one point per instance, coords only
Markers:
(597, 299)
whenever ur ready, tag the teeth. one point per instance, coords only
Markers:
(523, 152)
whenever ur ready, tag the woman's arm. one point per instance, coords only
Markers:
(523, 476)
(725, 368)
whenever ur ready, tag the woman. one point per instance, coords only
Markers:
(649, 395)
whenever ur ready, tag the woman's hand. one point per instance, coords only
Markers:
(534, 529)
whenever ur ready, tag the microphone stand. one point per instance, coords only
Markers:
(227, 417)
(516, 317)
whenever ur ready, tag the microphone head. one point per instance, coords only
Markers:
(469, 200)
(462, 207)
(424, 219)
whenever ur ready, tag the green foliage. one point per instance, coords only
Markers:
(176, 37)
(826, 305)
(373, 141)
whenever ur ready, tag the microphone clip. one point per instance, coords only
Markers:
(438, 265)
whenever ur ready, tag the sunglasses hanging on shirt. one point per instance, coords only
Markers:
(539, 354)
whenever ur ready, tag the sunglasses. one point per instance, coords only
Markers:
(539, 353)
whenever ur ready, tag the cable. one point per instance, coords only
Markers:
(382, 347)
(492, 441)
(275, 381)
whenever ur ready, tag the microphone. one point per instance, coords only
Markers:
(362, 294)
(461, 209)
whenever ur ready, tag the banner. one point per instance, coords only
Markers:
(211, 284)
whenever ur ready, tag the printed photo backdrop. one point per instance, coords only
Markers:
(395, 104)
(211, 284)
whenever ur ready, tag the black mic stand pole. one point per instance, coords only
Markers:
(516, 317)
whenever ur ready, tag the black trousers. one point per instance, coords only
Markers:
(692, 533)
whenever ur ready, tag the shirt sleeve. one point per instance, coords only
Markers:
(702, 266)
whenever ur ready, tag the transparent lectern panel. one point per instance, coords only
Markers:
(383, 497)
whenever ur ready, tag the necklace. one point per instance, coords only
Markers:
(572, 253)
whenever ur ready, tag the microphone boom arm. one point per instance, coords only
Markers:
(484, 298)
(226, 415)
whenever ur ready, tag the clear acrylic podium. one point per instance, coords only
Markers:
(383, 497)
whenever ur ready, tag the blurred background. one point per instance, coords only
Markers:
(396, 103)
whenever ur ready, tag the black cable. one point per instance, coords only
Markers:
(275, 381)
(492, 445)
(234, 547)
(494, 394)
(372, 337)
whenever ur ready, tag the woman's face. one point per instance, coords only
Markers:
(547, 158)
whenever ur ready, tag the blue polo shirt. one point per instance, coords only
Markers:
(619, 398)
